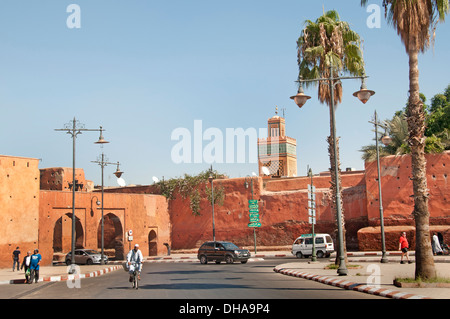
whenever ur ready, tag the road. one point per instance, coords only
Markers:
(254, 280)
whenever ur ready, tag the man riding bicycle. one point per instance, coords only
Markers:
(135, 259)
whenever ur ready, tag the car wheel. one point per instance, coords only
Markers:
(89, 262)
(299, 255)
(320, 254)
(229, 259)
(68, 262)
(203, 260)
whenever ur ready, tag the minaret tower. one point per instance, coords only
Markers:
(277, 154)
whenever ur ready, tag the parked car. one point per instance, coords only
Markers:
(222, 251)
(302, 246)
(86, 257)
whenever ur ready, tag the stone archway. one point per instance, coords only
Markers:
(153, 243)
(62, 234)
(113, 236)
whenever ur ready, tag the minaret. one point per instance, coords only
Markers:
(277, 154)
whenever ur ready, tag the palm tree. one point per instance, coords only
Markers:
(397, 129)
(324, 45)
(415, 22)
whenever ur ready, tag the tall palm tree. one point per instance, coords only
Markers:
(415, 22)
(397, 129)
(324, 45)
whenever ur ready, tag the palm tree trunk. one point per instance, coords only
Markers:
(334, 193)
(416, 125)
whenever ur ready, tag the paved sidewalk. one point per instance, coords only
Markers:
(57, 273)
(372, 276)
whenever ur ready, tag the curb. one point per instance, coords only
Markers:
(349, 285)
(96, 273)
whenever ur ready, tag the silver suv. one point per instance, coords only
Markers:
(85, 257)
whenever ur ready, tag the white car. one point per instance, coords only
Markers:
(303, 245)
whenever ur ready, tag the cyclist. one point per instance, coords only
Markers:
(135, 259)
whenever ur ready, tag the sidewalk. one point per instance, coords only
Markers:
(56, 273)
(372, 277)
(363, 279)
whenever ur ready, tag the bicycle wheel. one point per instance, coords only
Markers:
(135, 281)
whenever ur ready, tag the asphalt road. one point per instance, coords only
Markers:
(191, 281)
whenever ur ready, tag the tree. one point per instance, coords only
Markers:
(398, 132)
(329, 43)
(415, 22)
(438, 120)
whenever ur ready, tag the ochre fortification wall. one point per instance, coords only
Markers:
(33, 218)
(284, 214)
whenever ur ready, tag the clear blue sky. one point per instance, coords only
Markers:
(142, 68)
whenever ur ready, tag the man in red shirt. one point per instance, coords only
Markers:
(403, 246)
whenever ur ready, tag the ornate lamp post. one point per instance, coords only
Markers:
(386, 140)
(363, 95)
(102, 162)
(74, 128)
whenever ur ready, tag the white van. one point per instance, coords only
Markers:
(303, 245)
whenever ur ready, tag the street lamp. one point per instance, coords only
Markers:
(364, 95)
(101, 161)
(74, 128)
(313, 216)
(386, 140)
(211, 179)
(300, 99)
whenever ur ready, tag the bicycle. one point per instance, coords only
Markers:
(135, 276)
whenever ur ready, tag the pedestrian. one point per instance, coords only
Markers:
(16, 256)
(26, 264)
(34, 266)
(403, 246)
(437, 250)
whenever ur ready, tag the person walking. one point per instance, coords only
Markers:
(437, 250)
(16, 256)
(34, 266)
(403, 246)
(26, 264)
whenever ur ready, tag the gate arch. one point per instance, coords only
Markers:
(152, 243)
(63, 243)
(113, 235)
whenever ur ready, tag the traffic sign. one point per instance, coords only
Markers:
(253, 202)
(254, 210)
(254, 225)
(254, 219)
(253, 206)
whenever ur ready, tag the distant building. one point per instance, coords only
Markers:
(277, 154)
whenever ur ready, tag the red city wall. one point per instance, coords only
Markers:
(145, 215)
(283, 207)
(19, 204)
(283, 213)
(32, 218)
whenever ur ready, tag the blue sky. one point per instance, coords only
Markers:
(143, 68)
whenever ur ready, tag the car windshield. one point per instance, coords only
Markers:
(230, 246)
(91, 252)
